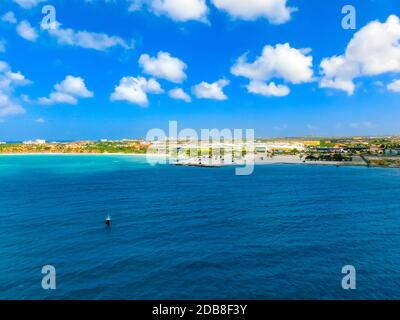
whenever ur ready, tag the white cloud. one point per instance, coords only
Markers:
(16, 78)
(28, 4)
(135, 90)
(88, 40)
(40, 120)
(276, 11)
(58, 98)
(268, 90)
(179, 94)
(67, 92)
(9, 17)
(8, 106)
(373, 50)
(24, 28)
(394, 86)
(178, 10)
(163, 66)
(280, 62)
(26, 31)
(213, 91)
(338, 74)
(68, 36)
(74, 86)
(9, 80)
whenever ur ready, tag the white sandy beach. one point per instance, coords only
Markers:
(264, 160)
(258, 159)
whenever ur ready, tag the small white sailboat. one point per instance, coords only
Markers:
(108, 221)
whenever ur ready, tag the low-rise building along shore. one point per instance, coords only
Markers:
(370, 151)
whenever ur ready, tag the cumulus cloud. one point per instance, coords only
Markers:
(276, 11)
(163, 66)
(268, 90)
(88, 40)
(24, 28)
(179, 94)
(178, 10)
(8, 106)
(213, 90)
(26, 31)
(373, 50)
(28, 4)
(68, 36)
(394, 86)
(67, 92)
(9, 80)
(338, 74)
(135, 90)
(281, 62)
(9, 17)
(74, 86)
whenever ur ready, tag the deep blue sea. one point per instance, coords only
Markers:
(284, 232)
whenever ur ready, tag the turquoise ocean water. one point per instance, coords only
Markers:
(284, 232)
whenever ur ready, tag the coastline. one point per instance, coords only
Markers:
(261, 160)
(83, 154)
(296, 160)
(258, 161)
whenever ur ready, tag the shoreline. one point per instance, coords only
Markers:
(265, 161)
(279, 160)
(83, 154)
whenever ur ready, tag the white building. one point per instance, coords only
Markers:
(37, 141)
(273, 146)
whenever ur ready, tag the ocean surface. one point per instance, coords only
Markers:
(284, 232)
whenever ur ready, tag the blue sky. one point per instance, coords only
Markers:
(115, 69)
